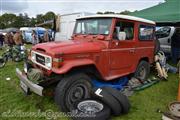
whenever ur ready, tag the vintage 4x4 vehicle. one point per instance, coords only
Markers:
(103, 47)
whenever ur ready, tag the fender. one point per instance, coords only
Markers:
(69, 64)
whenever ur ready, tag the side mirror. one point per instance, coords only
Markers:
(100, 37)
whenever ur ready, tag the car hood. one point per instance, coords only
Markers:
(70, 47)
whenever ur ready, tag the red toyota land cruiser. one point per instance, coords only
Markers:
(104, 47)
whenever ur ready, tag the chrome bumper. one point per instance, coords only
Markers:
(33, 87)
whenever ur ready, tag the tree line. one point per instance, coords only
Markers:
(125, 12)
(8, 20)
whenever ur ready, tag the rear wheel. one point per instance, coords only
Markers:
(72, 89)
(142, 71)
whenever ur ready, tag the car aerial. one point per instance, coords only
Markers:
(103, 47)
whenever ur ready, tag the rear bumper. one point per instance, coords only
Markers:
(33, 87)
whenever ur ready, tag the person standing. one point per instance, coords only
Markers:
(9, 39)
(1, 40)
(34, 37)
(46, 36)
(175, 45)
(18, 39)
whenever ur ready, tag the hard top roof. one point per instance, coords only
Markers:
(119, 16)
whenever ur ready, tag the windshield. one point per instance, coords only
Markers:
(93, 26)
(163, 32)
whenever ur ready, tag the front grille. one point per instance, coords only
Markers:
(40, 59)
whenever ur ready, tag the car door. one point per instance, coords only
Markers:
(122, 50)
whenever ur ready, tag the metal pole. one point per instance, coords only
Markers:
(178, 97)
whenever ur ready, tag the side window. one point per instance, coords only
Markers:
(146, 32)
(124, 31)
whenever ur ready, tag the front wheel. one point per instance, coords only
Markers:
(71, 89)
(142, 71)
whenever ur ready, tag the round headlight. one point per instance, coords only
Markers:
(48, 62)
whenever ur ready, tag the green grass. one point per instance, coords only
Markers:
(144, 103)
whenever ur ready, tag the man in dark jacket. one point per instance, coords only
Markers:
(175, 45)
(1, 40)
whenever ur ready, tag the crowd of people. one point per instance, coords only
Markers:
(18, 38)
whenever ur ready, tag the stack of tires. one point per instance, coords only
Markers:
(75, 93)
(105, 101)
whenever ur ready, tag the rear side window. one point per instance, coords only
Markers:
(146, 32)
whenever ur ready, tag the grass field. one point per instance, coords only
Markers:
(144, 103)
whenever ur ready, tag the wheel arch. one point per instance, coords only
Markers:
(90, 70)
(144, 59)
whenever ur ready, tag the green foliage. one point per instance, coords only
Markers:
(23, 20)
(125, 12)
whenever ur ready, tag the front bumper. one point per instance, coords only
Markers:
(30, 85)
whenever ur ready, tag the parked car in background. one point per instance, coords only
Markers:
(164, 35)
(26, 32)
(40, 33)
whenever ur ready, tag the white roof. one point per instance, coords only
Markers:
(120, 16)
(24, 28)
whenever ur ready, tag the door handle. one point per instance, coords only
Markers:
(169, 40)
(132, 51)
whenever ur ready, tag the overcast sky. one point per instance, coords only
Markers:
(34, 7)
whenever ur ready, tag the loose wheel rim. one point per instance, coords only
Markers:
(90, 106)
(175, 108)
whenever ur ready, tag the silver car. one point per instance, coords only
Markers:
(164, 35)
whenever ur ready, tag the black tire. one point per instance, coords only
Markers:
(109, 100)
(98, 112)
(70, 89)
(142, 71)
(123, 100)
(157, 46)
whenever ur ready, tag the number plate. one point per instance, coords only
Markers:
(40, 59)
(24, 87)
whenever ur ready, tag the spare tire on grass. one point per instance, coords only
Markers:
(122, 99)
(109, 100)
(90, 109)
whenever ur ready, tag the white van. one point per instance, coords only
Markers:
(66, 25)
(164, 35)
